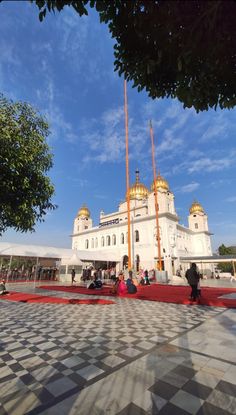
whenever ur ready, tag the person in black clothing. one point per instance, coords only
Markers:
(193, 276)
(132, 289)
(146, 278)
(72, 276)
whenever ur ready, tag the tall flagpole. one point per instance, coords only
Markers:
(156, 201)
(127, 174)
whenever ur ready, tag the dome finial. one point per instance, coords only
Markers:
(196, 207)
(160, 183)
(84, 211)
(138, 190)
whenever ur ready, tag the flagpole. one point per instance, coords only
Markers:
(127, 173)
(156, 200)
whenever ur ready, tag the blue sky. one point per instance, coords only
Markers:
(64, 67)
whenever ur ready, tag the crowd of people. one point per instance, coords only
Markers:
(102, 274)
(124, 282)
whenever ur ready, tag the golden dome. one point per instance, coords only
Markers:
(138, 191)
(196, 208)
(84, 211)
(160, 183)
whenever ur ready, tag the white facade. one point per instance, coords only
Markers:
(176, 240)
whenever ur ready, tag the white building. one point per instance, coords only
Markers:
(177, 241)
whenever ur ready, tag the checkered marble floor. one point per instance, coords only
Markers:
(131, 357)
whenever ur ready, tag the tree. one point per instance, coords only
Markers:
(25, 190)
(181, 48)
(224, 250)
(225, 266)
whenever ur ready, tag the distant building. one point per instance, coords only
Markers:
(177, 241)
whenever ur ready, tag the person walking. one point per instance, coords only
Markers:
(72, 275)
(193, 277)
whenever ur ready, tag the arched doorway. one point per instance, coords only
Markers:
(125, 261)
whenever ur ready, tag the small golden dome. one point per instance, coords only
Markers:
(84, 211)
(160, 183)
(138, 191)
(196, 208)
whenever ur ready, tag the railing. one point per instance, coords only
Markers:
(16, 276)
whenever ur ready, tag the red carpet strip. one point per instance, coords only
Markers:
(210, 296)
(34, 298)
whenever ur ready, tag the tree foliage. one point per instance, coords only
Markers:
(181, 48)
(225, 250)
(225, 266)
(25, 158)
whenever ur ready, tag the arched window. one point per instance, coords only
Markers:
(96, 242)
(137, 262)
(108, 240)
(78, 228)
(125, 261)
(196, 225)
(113, 239)
(122, 239)
(136, 236)
(126, 239)
(102, 241)
(92, 243)
(86, 244)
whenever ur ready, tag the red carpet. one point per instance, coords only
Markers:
(34, 298)
(163, 293)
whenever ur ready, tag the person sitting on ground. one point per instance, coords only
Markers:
(121, 286)
(3, 290)
(114, 287)
(132, 289)
(97, 281)
(146, 278)
(142, 281)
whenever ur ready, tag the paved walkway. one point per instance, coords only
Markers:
(129, 358)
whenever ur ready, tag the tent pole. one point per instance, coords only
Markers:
(35, 271)
(233, 263)
(9, 267)
(127, 173)
(158, 237)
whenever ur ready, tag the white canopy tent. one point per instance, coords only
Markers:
(74, 260)
(8, 249)
(211, 260)
(33, 251)
(67, 257)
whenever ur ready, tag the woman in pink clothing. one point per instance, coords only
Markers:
(121, 287)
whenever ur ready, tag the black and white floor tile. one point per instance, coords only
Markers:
(54, 354)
